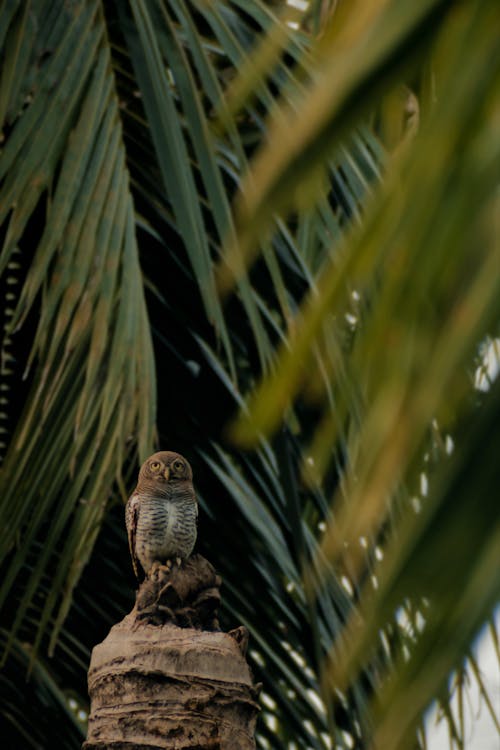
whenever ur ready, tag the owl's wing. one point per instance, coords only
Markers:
(131, 518)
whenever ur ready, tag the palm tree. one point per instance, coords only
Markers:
(118, 169)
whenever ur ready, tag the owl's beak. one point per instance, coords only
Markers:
(166, 474)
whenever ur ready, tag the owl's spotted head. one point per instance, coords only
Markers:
(163, 469)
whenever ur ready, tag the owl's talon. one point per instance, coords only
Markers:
(153, 571)
(158, 568)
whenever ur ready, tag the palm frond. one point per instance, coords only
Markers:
(58, 723)
(397, 316)
(82, 300)
(156, 114)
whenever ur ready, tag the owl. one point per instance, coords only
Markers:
(162, 513)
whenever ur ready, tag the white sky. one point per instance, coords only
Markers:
(481, 733)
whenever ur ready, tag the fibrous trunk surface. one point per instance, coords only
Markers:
(154, 684)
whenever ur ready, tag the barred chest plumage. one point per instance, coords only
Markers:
(166, 529)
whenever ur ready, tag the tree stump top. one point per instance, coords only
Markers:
(156, 684)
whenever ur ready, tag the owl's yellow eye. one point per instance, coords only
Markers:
(178, 465)
(155, 465)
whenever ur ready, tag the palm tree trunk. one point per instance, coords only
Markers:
(161, 679)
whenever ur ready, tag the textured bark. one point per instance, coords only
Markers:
(156, 684)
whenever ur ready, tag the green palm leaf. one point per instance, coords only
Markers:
(112, 147)
(426, 294)
(64, 155)
(73, 128)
